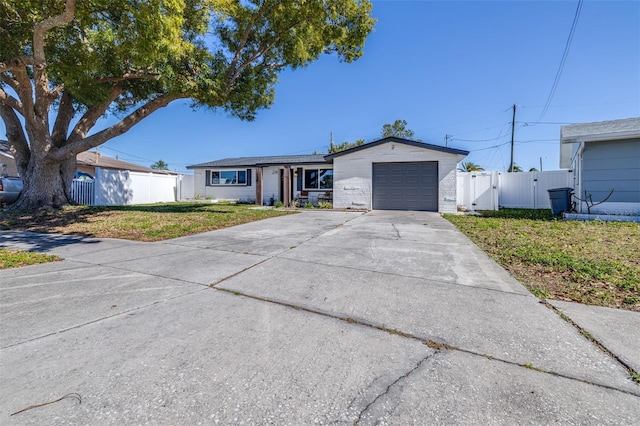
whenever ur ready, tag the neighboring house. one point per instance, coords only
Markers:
(89, 160)
(605, 156)
(7, 162)
(87, 163)
(387, 174)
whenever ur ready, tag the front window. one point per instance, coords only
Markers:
(318, 178)
(229, 177)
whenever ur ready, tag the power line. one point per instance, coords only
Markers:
(562, 61)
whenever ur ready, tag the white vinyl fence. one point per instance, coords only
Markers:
(82, 191)
(119, 187)
(528, 190)
(186, 189)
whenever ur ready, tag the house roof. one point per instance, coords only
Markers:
(94, 159)
(627, 128)
(263, 161)
(87, 158)
(601, 131)
(401, 141)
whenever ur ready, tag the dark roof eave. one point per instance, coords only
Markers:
(398, 140)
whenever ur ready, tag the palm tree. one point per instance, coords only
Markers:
(533, 169)
(160, 165)
(515, 168)
(470, 167)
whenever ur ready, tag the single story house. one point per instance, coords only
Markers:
(604, 156)
(387, 174)
(89, 160)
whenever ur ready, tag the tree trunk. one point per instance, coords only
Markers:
(46, 185)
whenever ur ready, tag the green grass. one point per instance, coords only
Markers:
(152, 222)
(17, 258)
(588, 262)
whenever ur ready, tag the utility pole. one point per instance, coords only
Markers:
(513, 133)
(446, 139)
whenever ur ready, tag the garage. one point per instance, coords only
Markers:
(405, 186)
(396, 174)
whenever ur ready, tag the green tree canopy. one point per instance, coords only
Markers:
(160, 165)
(397, 129)
(333, 148)
(75, 62)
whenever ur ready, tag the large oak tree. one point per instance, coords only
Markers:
(65, 64)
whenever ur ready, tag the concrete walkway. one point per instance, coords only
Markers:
(321, 317)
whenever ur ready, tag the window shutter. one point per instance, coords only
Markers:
(207, 181)
(248, 177)
(299, 184)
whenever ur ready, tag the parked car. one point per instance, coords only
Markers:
(83, 176)
(10, 189)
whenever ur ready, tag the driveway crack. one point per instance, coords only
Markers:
(391, 385)
(395, 228)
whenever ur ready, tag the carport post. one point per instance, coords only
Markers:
(286, 186)
(259, 185)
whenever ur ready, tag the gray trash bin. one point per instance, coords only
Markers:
(560, 199)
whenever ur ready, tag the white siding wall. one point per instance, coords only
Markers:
(230, 192)
(353, 174)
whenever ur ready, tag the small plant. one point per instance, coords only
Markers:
(309, 206)
(325, 205)
(197, 197)
(279, 204)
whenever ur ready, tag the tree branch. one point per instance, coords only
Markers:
(131, 75)
(16, 63)
(11, 102)
(24, 89)
(40, 79)
(45, 25)
(243, 43)
(17, 140)
(92, 115)
(66, 113)
(80, 145)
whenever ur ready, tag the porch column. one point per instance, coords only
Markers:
(286, 186)
(259, 185)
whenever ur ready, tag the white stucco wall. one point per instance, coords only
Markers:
(353, 174)
(224, 192)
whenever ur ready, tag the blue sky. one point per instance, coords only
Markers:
(447, 68)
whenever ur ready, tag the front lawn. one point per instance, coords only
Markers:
(152, 222)
(595, 262)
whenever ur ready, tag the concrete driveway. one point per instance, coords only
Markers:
(316, 318)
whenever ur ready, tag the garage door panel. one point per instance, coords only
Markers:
(405, 186)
